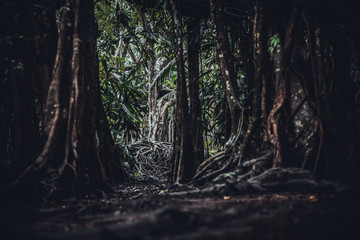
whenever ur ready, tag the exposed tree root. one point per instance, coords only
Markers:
(266, 157)
(207, 164)
(273, 180)
(225, 167)
(230, 157)
(151, 160)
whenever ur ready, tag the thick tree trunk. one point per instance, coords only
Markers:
(277, 123)
(246, 50)
(226, 65)
(316, 59)
(56, 111)
(333, 93)
(258, 76)
(5, 112)
(195, 105)
(182, 161)
(84, 86)
(25, 132)
(74, 114)
(45, 39)
(341, 124)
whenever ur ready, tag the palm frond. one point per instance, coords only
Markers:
(163, 74)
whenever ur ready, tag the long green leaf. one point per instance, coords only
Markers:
(163, 74)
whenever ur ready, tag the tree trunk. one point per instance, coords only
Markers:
(258, 76)
(277, 122)
(182, 169)
(84, 86)
(246, 50)
(45, 36)
(24, 129)
(193, 28)
(74, 114)
(226, 65)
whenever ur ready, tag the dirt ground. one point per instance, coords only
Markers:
(153, 211)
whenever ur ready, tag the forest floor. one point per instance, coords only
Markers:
(155, 211)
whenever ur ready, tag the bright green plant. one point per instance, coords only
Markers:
(274, 41)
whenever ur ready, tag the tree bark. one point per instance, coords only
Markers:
(26, 141)
(74, 114)
(193, 28)
(277, 122)
(258, 35)
(182, 169)
(83, 101)
(226, 65)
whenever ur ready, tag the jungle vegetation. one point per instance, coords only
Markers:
(220, 82)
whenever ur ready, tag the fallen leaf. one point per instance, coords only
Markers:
(281, 197)
(313, 198)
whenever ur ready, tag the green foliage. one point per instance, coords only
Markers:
(142, 37)
(124, 97)
(229, 174)
(163, 74)
(274, 41)
(107, 26)
(125, 81)
(138, 174)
